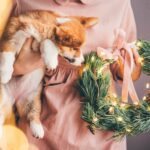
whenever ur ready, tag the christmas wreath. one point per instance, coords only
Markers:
(103, 110)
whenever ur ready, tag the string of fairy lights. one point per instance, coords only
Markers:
(104, 110)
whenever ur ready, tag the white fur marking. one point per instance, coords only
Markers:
(49, 53)
(62, 20)
(19, 39)
(33, 32)
(37, 129)
(6, 66)
(78, 60)
(6, 98)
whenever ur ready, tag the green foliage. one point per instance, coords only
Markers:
(144, 52)
(104, 111)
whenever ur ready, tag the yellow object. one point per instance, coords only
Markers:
(111, 110)
(119, 119)
(13, 139)
(5, 10)
(10, 119)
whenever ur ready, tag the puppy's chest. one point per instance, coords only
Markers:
(44, 30)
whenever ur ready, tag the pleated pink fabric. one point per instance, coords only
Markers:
(61, 111)
(61, 105)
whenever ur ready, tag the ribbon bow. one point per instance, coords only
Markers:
(128, 61)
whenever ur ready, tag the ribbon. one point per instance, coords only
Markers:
(128, 62)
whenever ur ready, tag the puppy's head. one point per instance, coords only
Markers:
(70, 36)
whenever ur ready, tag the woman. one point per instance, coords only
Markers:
(61, 108)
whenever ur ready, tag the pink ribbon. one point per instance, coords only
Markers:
(128, 61)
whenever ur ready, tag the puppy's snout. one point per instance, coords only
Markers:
(71, 60)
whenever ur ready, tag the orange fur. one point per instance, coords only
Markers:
(69, 36)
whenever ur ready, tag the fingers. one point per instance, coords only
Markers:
(115, 69)
(136, 60)
(123, 52)
(136, 57)
(27, 44)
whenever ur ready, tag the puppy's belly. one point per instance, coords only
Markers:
(21, 87)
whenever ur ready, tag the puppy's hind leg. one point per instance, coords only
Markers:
(9, 49)
(6, 103)
(34, 114)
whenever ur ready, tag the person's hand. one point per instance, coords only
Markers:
(27, 60)
(117, 68)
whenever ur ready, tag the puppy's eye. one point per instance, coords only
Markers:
(57, 38)
(66, 38)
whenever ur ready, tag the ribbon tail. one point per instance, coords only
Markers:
(132, 92)
(125, 85)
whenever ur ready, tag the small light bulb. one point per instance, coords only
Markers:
(114, 103)
(92, 58)
(86, 67)
(128, 130)
(136, 103)
(111, 110)
(99, 71)
(95, 119)
(148, 108)
(114, 95)
(144, 98)
(140, 60)
(122, 105)
(102, 53)
(139, 44)
(120, 119)
(147, 85)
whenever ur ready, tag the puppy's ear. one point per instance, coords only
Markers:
(87, 22)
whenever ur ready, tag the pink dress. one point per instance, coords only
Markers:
(61, 107)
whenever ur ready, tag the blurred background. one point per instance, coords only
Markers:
(141, 10)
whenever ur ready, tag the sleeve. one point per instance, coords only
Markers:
(16, 7)
(128, 23)
(129, 26)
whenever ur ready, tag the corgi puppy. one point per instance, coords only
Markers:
(53, 35)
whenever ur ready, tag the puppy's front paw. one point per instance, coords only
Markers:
(6, 66)
(37, 129)
(49, 53)
(6, 76)
(52, 64)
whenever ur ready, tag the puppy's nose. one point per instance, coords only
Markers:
(71, 60)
